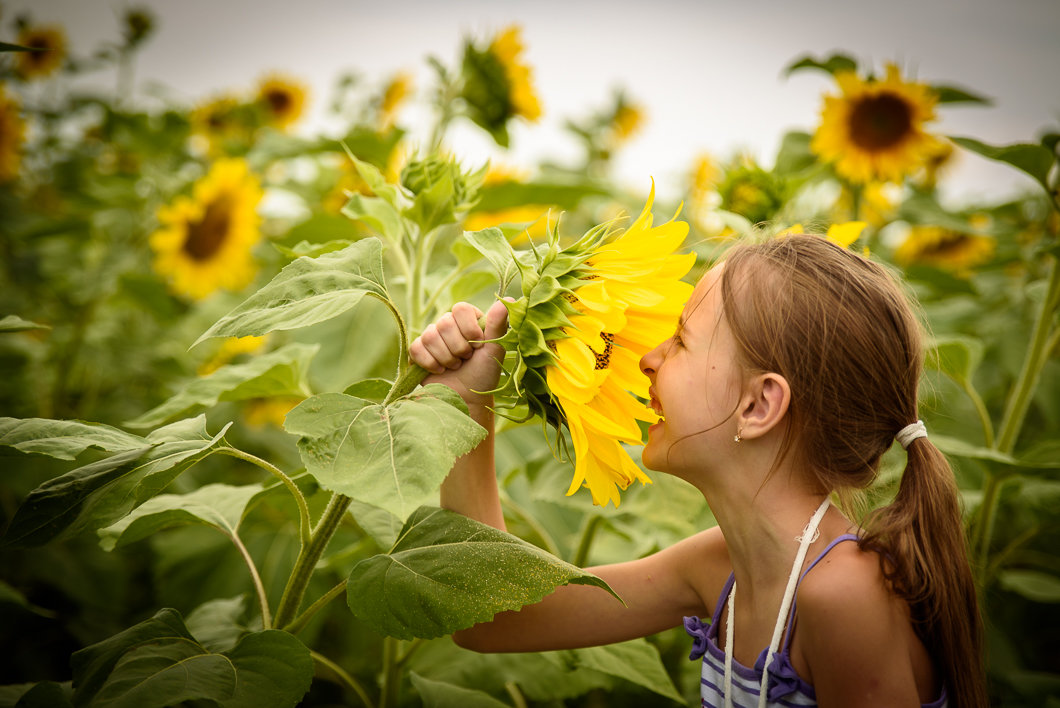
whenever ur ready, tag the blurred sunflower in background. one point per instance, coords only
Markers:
(204, 241)
(50, 45)
(874, 129)
(219, 124)
(12, 133)
(752, 192)
(497, 84)
(944, 248)
(282, 100)
(395, 94)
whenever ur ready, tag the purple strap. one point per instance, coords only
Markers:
(795, 600)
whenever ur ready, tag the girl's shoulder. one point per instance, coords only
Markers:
(852, 627)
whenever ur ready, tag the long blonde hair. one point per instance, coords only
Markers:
(841, 331)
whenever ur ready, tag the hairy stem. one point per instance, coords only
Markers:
(308, 557)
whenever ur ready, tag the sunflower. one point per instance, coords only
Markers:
(944, 248)
(752, 192)
(220, 122)
(262, 412)
(397, 90)
(874, 130)
(589, 313)
(231, 348)
(12, 133)
(50, 41)
(497, 85)
(282, 100)
(507, 47)
(204, 240)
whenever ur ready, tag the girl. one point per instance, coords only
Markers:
(794, 368)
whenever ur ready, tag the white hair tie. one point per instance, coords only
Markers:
(910, 433)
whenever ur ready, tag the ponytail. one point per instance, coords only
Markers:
(924, 553)
(842, 332)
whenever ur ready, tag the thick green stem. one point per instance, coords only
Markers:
(408, 382)
(592, 524)
(343, 676)
(259, 587)
(403, 334)
(1019, 401)
(391, 673)
(308, 557)
(299, 623)
(299, 498)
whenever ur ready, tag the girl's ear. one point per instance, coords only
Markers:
(765, 404)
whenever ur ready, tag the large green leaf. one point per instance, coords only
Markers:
(216, 624)
(636, 661)
(439, 694)
(1035, 160)
(158, 663)
(393, 456)
(273, 668)
(960, 448)
(218, 505)
(102, 492)
(165, 672)
(956, 356)
(448, 572)
(307, 291)
(65, 439)
(563, 195)
(279, 373)
(377, 214)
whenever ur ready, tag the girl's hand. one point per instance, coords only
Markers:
(454, 350)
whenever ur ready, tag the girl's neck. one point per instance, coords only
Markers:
(760, 528)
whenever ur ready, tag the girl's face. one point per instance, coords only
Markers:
(695, 386)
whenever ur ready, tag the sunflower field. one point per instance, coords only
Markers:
(220, 475)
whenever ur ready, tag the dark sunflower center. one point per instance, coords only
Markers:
(880, 122)
(206, 236)
(603, 359)
(279, 101)
(951, 245)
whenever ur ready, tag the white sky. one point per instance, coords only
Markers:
(709, 73)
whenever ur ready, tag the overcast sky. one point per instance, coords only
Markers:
(709, 73)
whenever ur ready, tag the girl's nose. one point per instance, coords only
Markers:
(649, 363)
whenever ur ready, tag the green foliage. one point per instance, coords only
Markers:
(447, 572)
(392, 455)
(255, 531)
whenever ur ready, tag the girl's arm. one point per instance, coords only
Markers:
(657, 590)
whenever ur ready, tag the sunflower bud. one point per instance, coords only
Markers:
(441, 190)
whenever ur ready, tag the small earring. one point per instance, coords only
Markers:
(739, 435)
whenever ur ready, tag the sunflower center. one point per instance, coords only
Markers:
(880, 122)
(279, 101)
(207, 235)
(603, 359)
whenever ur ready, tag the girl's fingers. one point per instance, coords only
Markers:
(466, 317)
(434, 352)
(455, 342)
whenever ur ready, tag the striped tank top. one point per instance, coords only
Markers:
(786, 688)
